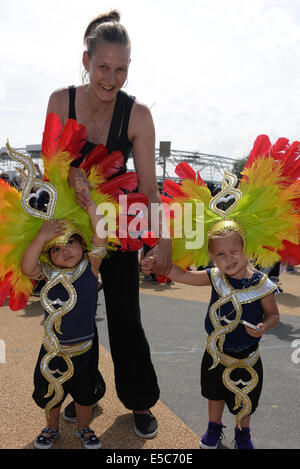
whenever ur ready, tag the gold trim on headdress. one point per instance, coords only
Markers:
(228, 192)
(70, 230)
(223, 225)
(32, 184)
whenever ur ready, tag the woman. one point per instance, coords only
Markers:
(118, 121)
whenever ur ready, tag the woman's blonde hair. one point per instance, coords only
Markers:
(105, 27)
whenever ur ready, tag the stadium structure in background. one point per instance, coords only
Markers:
(210, 167)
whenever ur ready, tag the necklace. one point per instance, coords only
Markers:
(100, 130)
(107, 116)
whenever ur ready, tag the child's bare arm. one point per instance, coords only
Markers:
(99, 239)
(271, 316)
(190, 277)
(30, 261)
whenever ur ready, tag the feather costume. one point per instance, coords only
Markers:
(264, 210)
(20, 222)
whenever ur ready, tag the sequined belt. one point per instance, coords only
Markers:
(56, 378)
(76, 349)
(241, 394)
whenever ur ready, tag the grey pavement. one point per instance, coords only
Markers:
(175, 331)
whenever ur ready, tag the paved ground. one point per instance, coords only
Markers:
(173, 320)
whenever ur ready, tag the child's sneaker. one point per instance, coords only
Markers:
(242, 438)
(213, 435)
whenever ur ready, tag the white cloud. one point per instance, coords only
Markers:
(220, 72)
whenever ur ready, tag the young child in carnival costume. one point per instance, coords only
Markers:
(263, 225)
(65, 244)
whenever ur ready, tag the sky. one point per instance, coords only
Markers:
(215, 73)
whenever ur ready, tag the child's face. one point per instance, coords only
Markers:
(228, 255)
(67, 257)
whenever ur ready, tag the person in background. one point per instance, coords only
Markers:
(5, 177)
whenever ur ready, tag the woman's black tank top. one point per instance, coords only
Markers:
(118, 132)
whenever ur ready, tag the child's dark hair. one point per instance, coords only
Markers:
(74, 236)
(106, 27)
(78, 238)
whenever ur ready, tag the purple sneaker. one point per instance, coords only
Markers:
(214, 434)
(242, 438)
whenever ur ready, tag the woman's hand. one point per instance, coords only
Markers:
(162, 257)
(147, 264)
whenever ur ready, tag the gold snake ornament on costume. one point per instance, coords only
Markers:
(241, 395)
(216, 339)
(66, 277)
(215, 343)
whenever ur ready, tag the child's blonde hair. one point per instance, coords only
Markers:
(221, 234)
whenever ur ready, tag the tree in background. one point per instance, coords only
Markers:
(238, 167)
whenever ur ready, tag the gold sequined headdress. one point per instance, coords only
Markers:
(21, 220)
(70, 230)
(264, 207)
(228, 192)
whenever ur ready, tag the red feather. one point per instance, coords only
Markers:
(185, 171)
(95, 157)
(117, 185)
(279, 148)
(52, 131)
(173, 189)
(291, 162)
(111, 164)
(17, 302)
(136, 197)
(149, 238)
(261, 147)
(73, 138)
(128, 242)
(5, 287)
(161, 279)
(291, 253)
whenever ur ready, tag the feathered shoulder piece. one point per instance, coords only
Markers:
(21, 220)
(263, 208)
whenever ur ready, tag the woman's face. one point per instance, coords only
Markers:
(107, 68)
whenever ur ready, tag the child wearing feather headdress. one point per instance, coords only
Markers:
(263, 225)
(67, 251)
(241, 341)
(59, 252)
